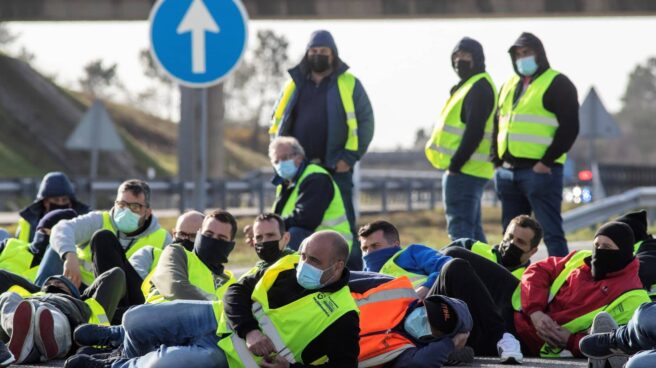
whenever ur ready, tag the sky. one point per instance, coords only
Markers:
(404, 65)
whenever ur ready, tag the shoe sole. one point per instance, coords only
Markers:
(22, 328)
(8, 361)
(511, 360)
(45, 337)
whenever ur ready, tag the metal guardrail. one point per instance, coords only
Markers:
(600, 211)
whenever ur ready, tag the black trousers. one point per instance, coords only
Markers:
(107, 253)
(107, 289)
(463, 280)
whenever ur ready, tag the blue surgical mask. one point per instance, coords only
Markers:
(526, 66)
(286, 169)
(308, 276)
(126, 220)
(416, 324)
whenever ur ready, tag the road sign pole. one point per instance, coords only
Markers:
(202, 157)
(95, 143)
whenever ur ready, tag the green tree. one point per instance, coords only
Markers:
(252, 90)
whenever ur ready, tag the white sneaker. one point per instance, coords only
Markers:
(510, 350)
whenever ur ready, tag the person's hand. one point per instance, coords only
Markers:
(275, 362)
(342, 166)
(259, 344)
(543, 324)
(541, 168)
(422, 292)
(72, 268)
(556, 337)
(460, 339)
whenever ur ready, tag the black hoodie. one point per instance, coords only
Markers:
(561, 98)
(477, 106)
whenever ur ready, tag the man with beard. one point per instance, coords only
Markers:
(327, 110)
(195, 271)
(270, 240)
(538, 122)
(460, 143)
(519, 244)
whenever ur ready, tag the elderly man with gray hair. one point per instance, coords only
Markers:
(307, 197)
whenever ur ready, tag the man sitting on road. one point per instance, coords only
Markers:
(270, 240)
(295, 314)
(382, 253)
(199, 273)
(644, 249)
(519, 244)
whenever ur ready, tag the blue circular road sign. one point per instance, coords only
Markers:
(198, 42)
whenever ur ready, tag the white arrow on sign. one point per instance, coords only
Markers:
(198, 20)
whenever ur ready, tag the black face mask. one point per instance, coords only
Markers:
(511, 255)
(186, 243)
(464, 68)
(268, 251)
(319, 63)
(213, 252)
(54, 207)
(52, 289)
(605, 261)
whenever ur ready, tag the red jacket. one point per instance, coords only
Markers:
(579, 295)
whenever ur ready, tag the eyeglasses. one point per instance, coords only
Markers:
(133, 206)
(285, 158)
(185, 236)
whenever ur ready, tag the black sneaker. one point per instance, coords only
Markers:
(6, 357)
(97, 335)
(603, 346)
(87, 361)
(92, 350)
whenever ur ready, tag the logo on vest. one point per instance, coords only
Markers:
(326, 303)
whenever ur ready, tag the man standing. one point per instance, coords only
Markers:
(328, 111)
(538, 121)
(460, 143)
(307, 198)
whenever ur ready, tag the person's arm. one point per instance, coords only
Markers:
(433, 355)
(423, 260)
(562, 99)
(171, 277)
(477, 107)
(536, 282)
(466, 243)
(142, 260)
(237, 304)
(494, 154)
(67, 233)
(314, 196)
(340, 342)
(365, 116)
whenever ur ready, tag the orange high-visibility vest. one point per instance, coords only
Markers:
(381, 309)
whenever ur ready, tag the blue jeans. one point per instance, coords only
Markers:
(51, 264)
(523, 191)
(640, 334)
(462, 205)
(175, 334)
(344, 182)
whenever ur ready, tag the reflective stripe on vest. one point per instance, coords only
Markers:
(24, 229)
(526, 128)
(392, 269)
(448, 132)
(345, 85)
(290, 327)
(98, 315)
(17, 259)
(155, 239)
(335, 216)
(381, 309)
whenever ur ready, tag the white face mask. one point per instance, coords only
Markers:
(126, 220)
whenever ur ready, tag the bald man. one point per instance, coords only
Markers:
(186, 229)
(300, 313)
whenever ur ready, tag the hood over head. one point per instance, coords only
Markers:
(637, 221)
(529, 40)
(449, 315)
(473, 47)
